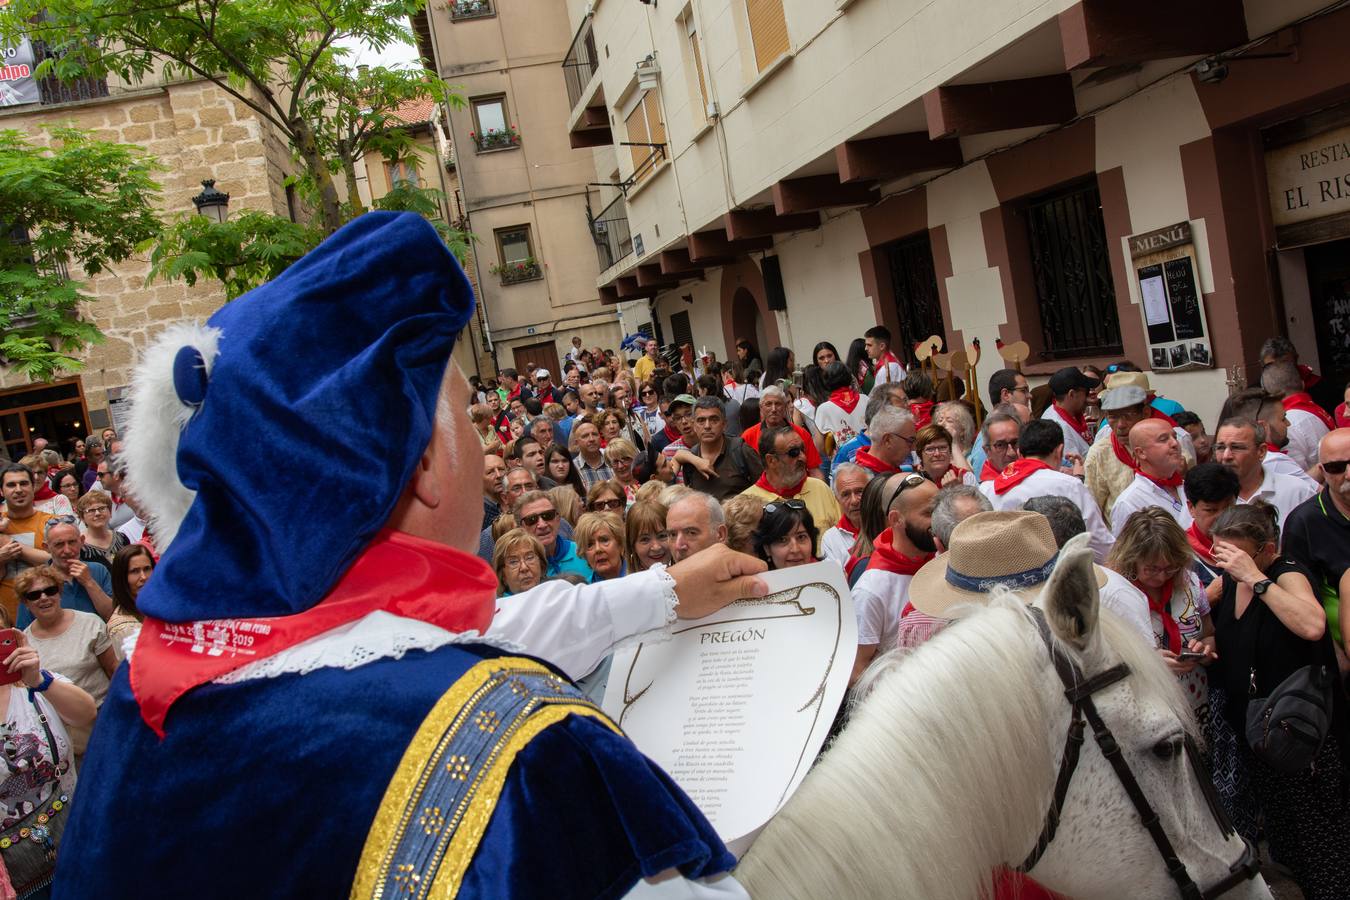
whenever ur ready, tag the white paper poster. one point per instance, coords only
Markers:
(1155, 301)
(736, 706)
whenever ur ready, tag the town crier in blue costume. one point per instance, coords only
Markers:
(309, 711)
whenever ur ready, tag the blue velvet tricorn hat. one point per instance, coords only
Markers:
(269, 445)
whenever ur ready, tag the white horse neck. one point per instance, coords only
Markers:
(953, 746)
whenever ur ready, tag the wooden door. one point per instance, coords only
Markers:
(543, 355)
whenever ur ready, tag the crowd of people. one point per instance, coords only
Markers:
(76, 552)
(1222, 536)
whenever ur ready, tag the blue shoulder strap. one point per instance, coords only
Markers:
(443, 794)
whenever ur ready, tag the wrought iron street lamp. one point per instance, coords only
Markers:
(213, 204)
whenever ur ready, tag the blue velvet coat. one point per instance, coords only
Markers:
(268, 788)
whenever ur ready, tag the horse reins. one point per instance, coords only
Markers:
(1079, 691)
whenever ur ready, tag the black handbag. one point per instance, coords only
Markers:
(28, 847)
(1286, 730)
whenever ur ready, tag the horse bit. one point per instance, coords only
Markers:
(1079, 691)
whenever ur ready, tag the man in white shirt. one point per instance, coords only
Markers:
(1268, 411)
(899, 552)
(1307, 424)
(1240, 444)
(849, 481)
(1070, 388)
(888, 369)
(1157, 478)
(1037, 474)
(1117, 594)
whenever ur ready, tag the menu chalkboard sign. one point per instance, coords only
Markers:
(1184, 297)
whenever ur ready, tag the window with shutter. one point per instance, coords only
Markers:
(636, 125)
(768, 30)
(697, 52)
(645, 127)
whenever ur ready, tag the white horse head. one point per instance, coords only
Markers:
(947, 769)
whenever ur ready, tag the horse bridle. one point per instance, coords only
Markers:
(1079, 691)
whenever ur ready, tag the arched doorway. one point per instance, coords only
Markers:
(746, 322)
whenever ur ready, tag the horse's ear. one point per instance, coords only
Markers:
(1070, 598)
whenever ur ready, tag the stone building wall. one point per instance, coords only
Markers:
(197, 131)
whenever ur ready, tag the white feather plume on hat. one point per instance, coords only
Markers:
(158, 417)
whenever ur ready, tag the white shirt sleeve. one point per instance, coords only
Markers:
(1305, 431)
(1099, 536)
(871, 613)
(670, 885)
(576, 626)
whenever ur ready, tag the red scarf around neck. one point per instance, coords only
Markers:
(1170, 483)
(1018, 471)
(846, 398)
(872, 464)
(673, 433)
(1122, 453)
(1171, 630)
(922, 411)
(1304, 403)
(785, 493)
(44, 492)
(1078, 423)
(1201, 543)
(846, 526)
(988, 472)
(398, 573)
(886, 558)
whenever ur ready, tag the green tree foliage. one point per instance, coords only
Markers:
(77, 205)
(284, 60)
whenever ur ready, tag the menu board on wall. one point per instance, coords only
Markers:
(1171, 299)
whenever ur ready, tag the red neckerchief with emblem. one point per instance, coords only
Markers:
(846, 398)
(397, 573)
(1016, 472)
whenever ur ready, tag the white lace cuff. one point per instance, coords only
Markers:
(657, 628)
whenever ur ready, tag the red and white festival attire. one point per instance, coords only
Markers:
(1027, 478)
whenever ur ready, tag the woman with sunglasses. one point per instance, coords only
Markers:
(73, 644)
(648, 408)
(786, 535)
(35, 711)
(606, 496)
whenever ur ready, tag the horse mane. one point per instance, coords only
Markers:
(945, 768)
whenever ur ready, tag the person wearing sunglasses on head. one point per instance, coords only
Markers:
(783, 452)
(536, 512)
(1317, 535)
(786, 535)
(882, 592)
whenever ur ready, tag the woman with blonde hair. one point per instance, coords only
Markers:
(569, 503)
(646, 538)
(600, 541)
(622, 457)
(502, 524)
(518, 559)
(742, 513)
(1152, 552)
(956, 417)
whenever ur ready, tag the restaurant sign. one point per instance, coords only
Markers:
(1310, 179)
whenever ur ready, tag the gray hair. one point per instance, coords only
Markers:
(715, 514)
(1282, 378)
(1066, 519)
(1258, 430)
(967, 421)
(998, 417)
(1278, 346)
(887, 419)
(881, 397)
(949, 511)
(846, 468)
(774, 390)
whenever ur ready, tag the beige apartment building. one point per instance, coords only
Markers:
(197, 132)
(525, 189)
(1163, 182)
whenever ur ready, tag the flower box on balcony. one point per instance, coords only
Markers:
(469, 9)
(516, 272)
(495, 139)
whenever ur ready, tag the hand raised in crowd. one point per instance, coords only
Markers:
(714, 577)
(25, 660)
(1236, 563)
(79, 572)
(10, 550)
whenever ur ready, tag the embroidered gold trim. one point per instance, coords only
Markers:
(468, 822)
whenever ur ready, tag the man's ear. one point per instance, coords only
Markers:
(425, 486)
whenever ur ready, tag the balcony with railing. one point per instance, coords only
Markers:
(580, 63)
(613, 241)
